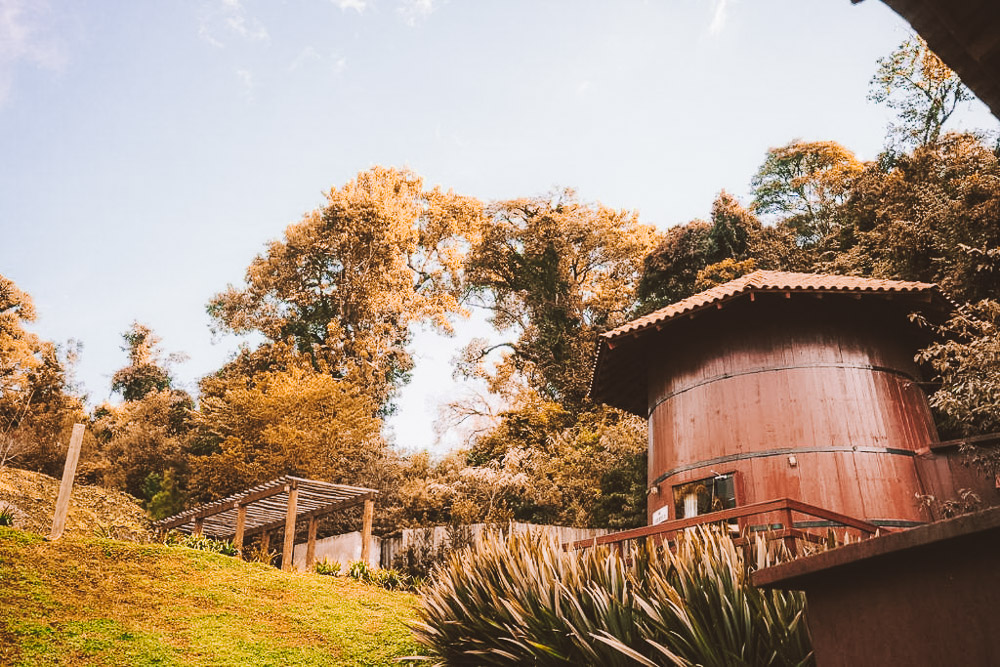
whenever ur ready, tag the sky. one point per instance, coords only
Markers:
(149, 150)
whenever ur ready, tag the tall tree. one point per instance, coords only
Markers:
(555, 271)
(147, 370)
(920, 88)
(803, 184)
(930, 215)
(38, 405)
(347, 282)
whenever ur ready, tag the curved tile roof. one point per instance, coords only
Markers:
(619, 373)
(761, 281)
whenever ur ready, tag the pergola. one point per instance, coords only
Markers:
(272, 505)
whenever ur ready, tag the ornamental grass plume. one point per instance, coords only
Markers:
(519, 599)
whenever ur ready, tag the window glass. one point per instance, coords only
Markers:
(704, 495)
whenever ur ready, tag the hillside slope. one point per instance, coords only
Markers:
(92, 509)
(92, 601)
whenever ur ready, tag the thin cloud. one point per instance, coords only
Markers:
(720, 14)
(249, 84)
(414, 11)
(309, 57)
(227, 18)
(25, 37)
(357, 5)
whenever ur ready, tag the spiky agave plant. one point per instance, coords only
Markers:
(519, 599)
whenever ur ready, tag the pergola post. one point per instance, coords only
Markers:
(241, 523)
(311, 543)
(366, 529)
(286, 552)
(198, 527)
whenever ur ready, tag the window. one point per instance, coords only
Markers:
(704, 495)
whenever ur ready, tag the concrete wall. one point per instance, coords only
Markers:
(440, 536)
(344, 548)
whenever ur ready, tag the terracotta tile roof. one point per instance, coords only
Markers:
(761, 281)
(619, 372)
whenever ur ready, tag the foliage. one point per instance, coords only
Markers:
(965, 360)
(722, 272)
(418, 559)
(38, 405)
(289, 422)
(346, 283)
(326, 567)
(803, 184)
(922, 90)
(670, 271)
(101, 602)
(200, 542)
(359, 570)
(144, 444)
(146, 371)
(555, 271)
(932, 216)
(6, 515)
(520, 600)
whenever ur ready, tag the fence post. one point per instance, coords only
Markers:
(66, 486)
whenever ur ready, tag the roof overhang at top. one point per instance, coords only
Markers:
(267, 506)
(965, 34)
(619, 377)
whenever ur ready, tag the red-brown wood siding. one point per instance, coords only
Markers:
(829, 381)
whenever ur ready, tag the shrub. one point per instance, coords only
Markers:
(359, 570)
(6, 516)
(200, 542)
(519, 599)
(328, 568)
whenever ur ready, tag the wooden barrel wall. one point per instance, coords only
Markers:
(830, 382)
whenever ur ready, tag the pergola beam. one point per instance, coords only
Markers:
(322, 511)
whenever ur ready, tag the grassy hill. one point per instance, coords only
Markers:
(92, 601)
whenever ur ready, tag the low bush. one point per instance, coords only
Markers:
(359, 570)
(520, 599)
(328, 568)
(200, 542)
(6, 515)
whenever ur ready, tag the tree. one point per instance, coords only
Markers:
(38, 405)
(298, 422)
(804, 184)
(733, 228)
(671, 269)
(346, 283)
(146, 371)
(555, 271)
(923, 91)
(145, 443)
(931, 215)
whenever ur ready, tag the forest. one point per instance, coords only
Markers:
(336, 300)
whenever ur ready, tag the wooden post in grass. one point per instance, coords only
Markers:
(241, 522)
(311, 543)
(286, 552)
(199, 527)
(66, 487)
(366, 529)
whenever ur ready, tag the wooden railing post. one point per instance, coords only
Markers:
(286, 551)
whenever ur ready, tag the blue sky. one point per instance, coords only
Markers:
(148, 150)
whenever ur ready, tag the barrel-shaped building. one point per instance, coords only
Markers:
(780, 385)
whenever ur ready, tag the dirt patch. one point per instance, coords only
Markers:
(93, 510)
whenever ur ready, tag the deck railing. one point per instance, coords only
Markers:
(784, 507)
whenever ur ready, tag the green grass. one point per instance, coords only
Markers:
(82, 601)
